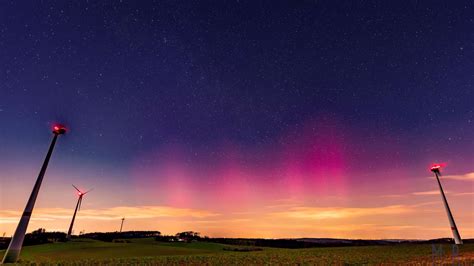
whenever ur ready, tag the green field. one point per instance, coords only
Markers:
(148, 251)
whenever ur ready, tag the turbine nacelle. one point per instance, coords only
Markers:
(59, 129)
(80, 193)
(435, 168)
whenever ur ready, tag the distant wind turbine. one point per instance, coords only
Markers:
(457, 238)
(121, 225)
(78, 207)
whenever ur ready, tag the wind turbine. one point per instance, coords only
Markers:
(121, 225)
(457, 238)
(14, 248)
(78, 207)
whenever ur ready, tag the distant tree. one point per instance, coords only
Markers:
(40, 236)
(165, 238)
(110, 236)
(189, 236)
(39, 231)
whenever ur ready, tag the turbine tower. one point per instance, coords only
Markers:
(121, 225)
(14, 248)
(78, 207)
(457, 238)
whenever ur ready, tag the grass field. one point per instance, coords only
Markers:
(150, 252)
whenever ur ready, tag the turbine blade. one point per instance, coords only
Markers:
(87, 191)
(77, 189)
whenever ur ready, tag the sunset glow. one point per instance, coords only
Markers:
(297, 188)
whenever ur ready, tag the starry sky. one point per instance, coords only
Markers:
(240, 118)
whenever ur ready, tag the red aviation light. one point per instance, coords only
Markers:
(435, 167)
(59, 129)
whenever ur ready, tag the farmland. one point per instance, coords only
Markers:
(148, 251)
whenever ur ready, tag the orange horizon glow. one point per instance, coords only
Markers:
(314, 182)
(414, 215)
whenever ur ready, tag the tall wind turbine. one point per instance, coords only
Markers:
(14, 248)
(457, 238)
(78, 207)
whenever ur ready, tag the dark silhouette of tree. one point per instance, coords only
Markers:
(189, 236)
(111, 236)
(40, 236)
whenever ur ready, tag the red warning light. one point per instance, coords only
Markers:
(59, 129)
(436, 168)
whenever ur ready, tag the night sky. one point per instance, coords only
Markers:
(221, 116)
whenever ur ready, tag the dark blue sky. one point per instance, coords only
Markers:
(127, 76)
(240, 118)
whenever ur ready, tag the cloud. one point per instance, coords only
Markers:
(427, 193)
(393, 196)
(114, 213)
(416, 193)
(467, 177)
(223, 221)
(320, 213)
(464, 194)
(8, 220)
(14, 220)
(367, 227)
(149, 212)
(397, 227)
(425, 203)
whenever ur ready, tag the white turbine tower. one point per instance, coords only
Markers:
(13, 251)
(457, 238)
